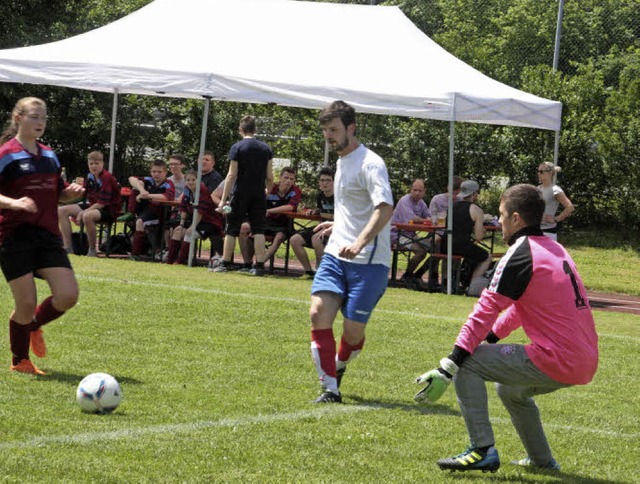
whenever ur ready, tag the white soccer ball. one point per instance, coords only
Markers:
(99, 393)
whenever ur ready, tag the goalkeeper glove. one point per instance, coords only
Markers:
(437, 381)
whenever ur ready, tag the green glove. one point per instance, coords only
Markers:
(437, 381)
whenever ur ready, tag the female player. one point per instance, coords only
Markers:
(30, 243)
(553, 196)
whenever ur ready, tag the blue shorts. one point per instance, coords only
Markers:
(359, 285)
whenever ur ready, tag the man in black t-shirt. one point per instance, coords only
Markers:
(250, 170)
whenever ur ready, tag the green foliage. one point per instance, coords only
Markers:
(509, 40)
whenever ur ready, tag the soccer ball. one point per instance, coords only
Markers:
(99, 393)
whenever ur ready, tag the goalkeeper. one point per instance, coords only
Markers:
(537, 286)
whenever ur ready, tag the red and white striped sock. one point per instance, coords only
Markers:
(323, 352)
(347, 352)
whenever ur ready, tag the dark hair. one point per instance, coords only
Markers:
(177, 156)
(457, 181)
(326, 171)
(159, 162)
(208, 152)
(191, 172)
(288, 169)
(248, 124)
(338, 109)
(526, 200)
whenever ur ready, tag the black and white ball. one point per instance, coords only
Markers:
(99, 393)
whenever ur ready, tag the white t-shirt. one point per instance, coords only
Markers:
(361, 183)
(550, 203)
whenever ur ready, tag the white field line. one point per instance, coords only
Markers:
(415, 314)
(172, 429)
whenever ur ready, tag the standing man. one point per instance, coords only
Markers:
(250, 170)
(353, 274)
(537, 286)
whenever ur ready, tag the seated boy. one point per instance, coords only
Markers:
(284, 197)
(148, 192)
(102, 203)
(308, 237)
(208, 221)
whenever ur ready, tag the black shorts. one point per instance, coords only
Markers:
(472, 252)
(273, 229)
(29, 248)
(105, 215)
(244, 207)
(307, 235)
(206, 229)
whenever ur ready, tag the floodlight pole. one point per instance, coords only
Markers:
(556, 58)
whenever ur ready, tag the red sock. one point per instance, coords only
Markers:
(138, 242)
(184, 253)
(349, 352)
(323, 348)
(19, 337)
(45, 313)
(174, 247)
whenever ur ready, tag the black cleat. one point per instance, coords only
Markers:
(472, 460)
(328, 397)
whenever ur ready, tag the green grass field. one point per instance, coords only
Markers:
(217, 378)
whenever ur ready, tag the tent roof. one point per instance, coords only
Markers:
(292, 53)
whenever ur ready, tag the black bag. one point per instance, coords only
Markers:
(118, 244)
(79, 243)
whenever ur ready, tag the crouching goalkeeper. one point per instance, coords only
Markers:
(537, 286)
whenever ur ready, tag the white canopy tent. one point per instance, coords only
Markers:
(292, 53)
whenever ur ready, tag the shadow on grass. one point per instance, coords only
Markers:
(75, 379)
(403, 405)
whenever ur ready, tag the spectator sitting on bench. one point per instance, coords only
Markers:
(147, 192)
(284, 197)
(102, 205)
(468, 228)
(308, 237)
(411, 208)
(208, 222)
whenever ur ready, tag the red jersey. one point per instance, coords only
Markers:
(23, 174)
(105, 190)
(206, 208)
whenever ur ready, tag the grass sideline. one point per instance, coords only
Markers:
(217, 379)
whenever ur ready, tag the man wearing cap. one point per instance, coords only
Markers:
(468, 227)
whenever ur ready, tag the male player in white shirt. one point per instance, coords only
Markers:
(353, 274)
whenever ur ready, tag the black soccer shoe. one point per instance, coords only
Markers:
(328, 397)
(472, 459)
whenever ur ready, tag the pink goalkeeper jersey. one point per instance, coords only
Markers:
(537, 286)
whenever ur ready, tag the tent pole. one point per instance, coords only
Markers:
(203, 140)
(326, 153)
(112, 143)
(448, 230)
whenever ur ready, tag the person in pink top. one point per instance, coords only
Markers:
(535, 286)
